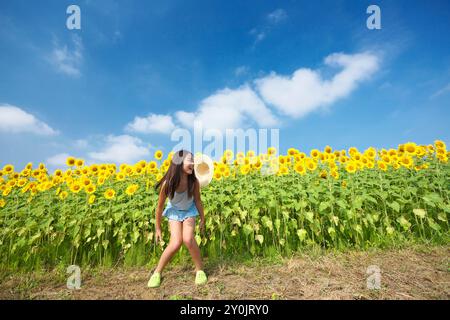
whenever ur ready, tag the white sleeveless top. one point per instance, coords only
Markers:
(181, 201)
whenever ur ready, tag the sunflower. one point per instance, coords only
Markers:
(245, 169)
(371, 153)
(221, 168)
(334, 174)
(90, 189)
(21, 182)
(257, 165)
(323, 174)
(7, 191)
(439, 144)
(314, 153)
(271, 151)
(23, 173)
(158, 155)
(406, 161)
(410, 147)
(350, 167)
(138, 170)
(327, 149)
(392, 152)
(356, 156)
(68, 173)
(9, 168)
(101, 181)
(131, 189)
(217, 175)
(342, 159)
(70, 161)
(76, 187)
(386, 158)
(94, 169)
(283, 170)
(79, 162)
(352, 151)
(382, 165)
(300, 168)
(228, 154)
(292, 151)
(91, 199)
(421, 151)
(120, 176)
(364, 160)
(63, 195)
(443, 159)
(2, 203)
(109, 194)
(311, 165)
(86, 181)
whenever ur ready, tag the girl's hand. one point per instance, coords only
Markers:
(202, 225)
(158, 235)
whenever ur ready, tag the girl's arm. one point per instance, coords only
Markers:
(159, 210)
(199, 204)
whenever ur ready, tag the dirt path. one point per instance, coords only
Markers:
(413, 273)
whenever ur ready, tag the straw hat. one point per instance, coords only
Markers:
(204, 169)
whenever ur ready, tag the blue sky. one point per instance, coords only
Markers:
(116, 89)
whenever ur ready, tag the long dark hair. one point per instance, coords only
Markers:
(172, 177)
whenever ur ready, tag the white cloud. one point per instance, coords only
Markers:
(16, 120)
(68, 61)
(81, 144)
(241, 70)
(440, 92)
(58, 160)
(121, 149)
(153, 123)
(294, 96)
(277, 16)
(260, 36)
(229, 109)
(305, 90)
(271, 20)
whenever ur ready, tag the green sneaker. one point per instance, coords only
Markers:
(200, 277)
(155, 280)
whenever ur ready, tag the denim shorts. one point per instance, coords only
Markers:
(173, 213)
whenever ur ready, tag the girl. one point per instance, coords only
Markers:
(180, 185)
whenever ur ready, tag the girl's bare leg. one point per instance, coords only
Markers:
(175, 242)
(191, 244)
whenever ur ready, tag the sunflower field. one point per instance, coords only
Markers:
(262, 204)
